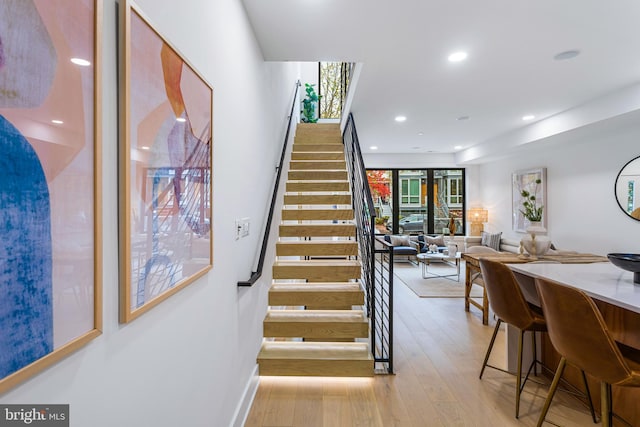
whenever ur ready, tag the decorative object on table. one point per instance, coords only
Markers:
(521, 254)
(477, 217)
(310, 104)
(629, 262)
(452, 226)
(51, 250)
(452, 248)
(536, 246)
(433, 248)
(529, 198)
(627, 188)
(166, 112)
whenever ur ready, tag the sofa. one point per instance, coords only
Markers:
(506, 245)
(410, 246)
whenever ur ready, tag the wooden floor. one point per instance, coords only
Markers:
(438, 354)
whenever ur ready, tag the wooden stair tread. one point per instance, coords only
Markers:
(317, 175)
(317, 164)
(318, 263)
(317, 230)
(317, 247)
(310, 287)
(317, 199)
(335, 148)
(316, 316)
(314, 185)
(315, 350)
(317, 155)
(319, 214)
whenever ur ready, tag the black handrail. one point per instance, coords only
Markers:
(255, 275)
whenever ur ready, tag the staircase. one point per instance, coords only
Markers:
(311, 327)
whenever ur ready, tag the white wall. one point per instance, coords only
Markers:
(581, 206)
(191, 360)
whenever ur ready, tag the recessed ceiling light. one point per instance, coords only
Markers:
(567, 54)
(57, 122)
(373, 147)
(457, 147)
(457, 56)
(181, 119)
(81, 62)
(528, 117)
(400, 118)
(462, 118)
(144, 147)
(420, 133)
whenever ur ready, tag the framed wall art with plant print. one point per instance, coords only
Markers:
(529, 192)
(50, 205)
(166, 111)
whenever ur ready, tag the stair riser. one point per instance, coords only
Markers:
(317, 175)
(319, 249)
(317, 186)
(317, 214)
(317, 273)
(317, 165)
(316, 330)
(322, 368)
(346, 230)
(317, 199)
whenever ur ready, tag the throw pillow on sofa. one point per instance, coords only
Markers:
(491, 240)
(400, 240)
(435, 240)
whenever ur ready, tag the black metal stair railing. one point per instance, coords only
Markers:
(255, 275)
(375, 256)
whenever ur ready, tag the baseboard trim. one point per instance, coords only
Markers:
(249, 393)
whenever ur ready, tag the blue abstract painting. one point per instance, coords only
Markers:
(26, 313)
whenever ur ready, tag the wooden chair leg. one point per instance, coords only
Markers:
(605, 402)
(485, 307)
(493, 340)
(519, 373)
(552, 390)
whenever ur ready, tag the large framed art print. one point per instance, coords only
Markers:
(166, 110)
(50, 204)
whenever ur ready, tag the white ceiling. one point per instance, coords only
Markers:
(510, 71)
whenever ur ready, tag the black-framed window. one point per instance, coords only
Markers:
(419, 201)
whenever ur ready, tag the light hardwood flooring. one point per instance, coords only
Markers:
(438, 354)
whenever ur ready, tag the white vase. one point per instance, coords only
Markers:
(535, 244)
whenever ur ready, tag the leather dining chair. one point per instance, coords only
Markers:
(578, 332)
(510, 306)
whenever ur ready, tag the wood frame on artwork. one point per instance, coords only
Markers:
(50, 187)
(166, 135)
(525, 180)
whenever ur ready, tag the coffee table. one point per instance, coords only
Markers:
(427, 258)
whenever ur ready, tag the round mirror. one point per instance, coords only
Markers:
(628, 188)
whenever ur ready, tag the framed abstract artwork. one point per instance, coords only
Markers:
(534, 183)
(166, 112)
(50, 205)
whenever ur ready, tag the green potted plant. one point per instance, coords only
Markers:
(309, 104)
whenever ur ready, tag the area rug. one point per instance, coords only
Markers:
(437, 287)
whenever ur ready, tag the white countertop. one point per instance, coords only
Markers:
(601, 280)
